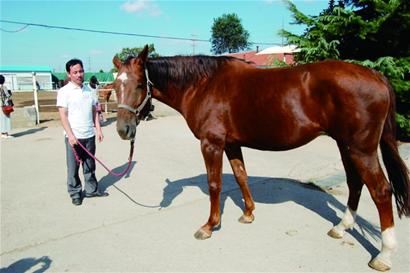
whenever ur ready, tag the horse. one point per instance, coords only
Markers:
(105, 92)
(229, 103)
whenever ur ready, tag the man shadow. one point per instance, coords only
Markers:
(28, 264)
(268, 190)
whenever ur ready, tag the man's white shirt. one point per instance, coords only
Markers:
(79, 103)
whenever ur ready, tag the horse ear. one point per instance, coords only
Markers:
(117, 62)
(143, 56)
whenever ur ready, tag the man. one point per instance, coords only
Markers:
(94, 86)
(76, 106)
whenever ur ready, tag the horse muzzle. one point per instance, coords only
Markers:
(126, 130)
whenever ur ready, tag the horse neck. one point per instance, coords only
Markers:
(169, 96)
(169, 87)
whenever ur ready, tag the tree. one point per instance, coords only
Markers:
(133, 52)
(369, 32)
(127, 52)
(228, 35)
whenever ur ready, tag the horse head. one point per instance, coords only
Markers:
(132, 89)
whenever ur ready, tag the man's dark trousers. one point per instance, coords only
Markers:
(88, 163)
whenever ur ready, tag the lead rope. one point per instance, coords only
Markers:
(79, 161)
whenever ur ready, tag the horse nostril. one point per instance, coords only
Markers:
(126, 130)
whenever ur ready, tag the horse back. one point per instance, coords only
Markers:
(283, 108)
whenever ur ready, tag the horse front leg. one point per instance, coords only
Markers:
(212, 152)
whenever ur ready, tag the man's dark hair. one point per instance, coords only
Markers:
(93, 79)
(2, 79)
(71, 63)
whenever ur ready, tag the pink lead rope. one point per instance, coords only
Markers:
(77, 158)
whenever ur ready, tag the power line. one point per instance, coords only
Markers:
(114, 32)
(13, 31)
(103, 31)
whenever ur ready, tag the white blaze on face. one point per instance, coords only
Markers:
(123, 77)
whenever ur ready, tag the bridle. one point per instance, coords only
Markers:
(147, 100)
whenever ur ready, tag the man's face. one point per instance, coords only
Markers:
(76, 74)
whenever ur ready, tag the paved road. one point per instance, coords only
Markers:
(148, 221)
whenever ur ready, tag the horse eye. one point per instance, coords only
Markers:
(140, 86)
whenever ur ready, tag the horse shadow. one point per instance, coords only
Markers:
(268, 190)
(28, 265)
(109, 180)
(109, 121)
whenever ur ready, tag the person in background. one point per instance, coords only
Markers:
(5, 122)
(94, 86)
(77, 109)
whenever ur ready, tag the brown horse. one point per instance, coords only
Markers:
(229, 103)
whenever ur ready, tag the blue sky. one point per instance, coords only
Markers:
(172, 18)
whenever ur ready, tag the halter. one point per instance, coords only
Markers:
(147, 99)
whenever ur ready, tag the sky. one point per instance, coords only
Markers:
(23, 45)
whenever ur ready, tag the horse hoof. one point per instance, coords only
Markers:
(244, 219)
(202, 235)
(379, 264)
(335, 233)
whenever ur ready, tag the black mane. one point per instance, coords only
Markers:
(183, 71)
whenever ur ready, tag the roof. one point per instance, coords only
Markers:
(267, 56)
(250, 56)
(279, 50)
(15, 68)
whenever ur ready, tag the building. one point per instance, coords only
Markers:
(102, 77)
(268, 56)
(20, 78)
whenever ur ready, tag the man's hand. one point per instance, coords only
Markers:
(100, 136)
(72, 140)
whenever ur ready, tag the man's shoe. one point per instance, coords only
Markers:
(96, 194)
(77, 201)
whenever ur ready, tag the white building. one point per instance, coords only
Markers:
(20, 78)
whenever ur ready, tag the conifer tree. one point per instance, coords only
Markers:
(369, 32)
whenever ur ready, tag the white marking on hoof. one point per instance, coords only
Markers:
(389, 243)
(336, 232)
(379, 264)
(349, 218)
(347, 222)
(244, 219)
(382, 262)
(202, 234)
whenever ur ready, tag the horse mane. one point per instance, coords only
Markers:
(183, 71)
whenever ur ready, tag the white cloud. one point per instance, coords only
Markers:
(140, 6)
(95, 52)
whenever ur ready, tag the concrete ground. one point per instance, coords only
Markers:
(148, 221)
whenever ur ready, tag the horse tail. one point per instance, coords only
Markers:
(396, 169)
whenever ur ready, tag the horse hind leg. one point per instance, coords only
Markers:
(355, 186)
(367, 166)
(234, 154)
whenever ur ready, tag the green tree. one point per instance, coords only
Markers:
(369, 32)
(228, 34)
(132, 52)
(127, 52)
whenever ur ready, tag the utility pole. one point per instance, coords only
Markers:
(283, 28)
(193, 44)
(35, 90)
